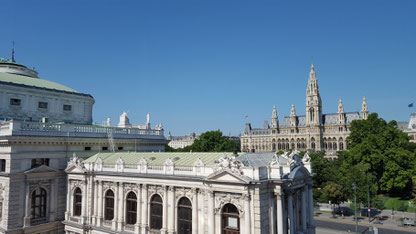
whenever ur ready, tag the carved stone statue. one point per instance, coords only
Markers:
(148, 118)
(228, 162)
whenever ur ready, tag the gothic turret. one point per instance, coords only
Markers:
(275, 121)
(364, 109)
(293, 116)
(313, 100)
(341, 113)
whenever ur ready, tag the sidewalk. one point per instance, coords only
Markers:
(387, 224)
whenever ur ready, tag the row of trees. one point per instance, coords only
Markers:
(381, 160)
(211, 141)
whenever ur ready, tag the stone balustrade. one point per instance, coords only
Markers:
(22, 128)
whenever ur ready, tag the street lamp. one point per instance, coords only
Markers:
(354, 187)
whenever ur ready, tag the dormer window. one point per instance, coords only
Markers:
(15, 101)
(43, 105)
(67, 107)
(40, 161)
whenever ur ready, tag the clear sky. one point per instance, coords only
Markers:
(205, 65)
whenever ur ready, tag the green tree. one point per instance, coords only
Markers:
(382, 150)
(333, 192)
(214, 141)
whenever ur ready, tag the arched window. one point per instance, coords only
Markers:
(287, 146)
(131, 208)
(335, 146)
(38, 206)
(184, 216)
(77, 202)
(341, 146)
(156, 212)
(279, 146)
(274, 146)
(1, 207)
(293, 145)
(109, 205)
(230, 220)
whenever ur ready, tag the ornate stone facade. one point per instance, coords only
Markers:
(314, 131)
(253, 192)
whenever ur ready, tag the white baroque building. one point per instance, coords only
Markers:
(409, 127)
(42, 124)
(314, 131)
(205, 193)
(179, 142)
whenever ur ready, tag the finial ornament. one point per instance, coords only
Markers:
(13, 52)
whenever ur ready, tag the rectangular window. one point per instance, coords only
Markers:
(120, 148)
(3, 165)
(67, 107)
(40, 161)
(104, 148)
(15, 101)
(43, 105)
(87, 148)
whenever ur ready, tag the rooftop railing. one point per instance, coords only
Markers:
(22, 128)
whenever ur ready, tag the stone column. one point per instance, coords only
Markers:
(171, 212)
(290, 211)
(100, 204)
(304, 208)
(95, 207)
(54, 199)
(247, 219)
(27, 210)
(211, 215)
(165, 211)
(84, 200)
(310, 204)
(116, 206)
(120, 200)
(279, 205)
(144, 209)
(195, 211)
(68, 203)
(139, 209)
(201, 213)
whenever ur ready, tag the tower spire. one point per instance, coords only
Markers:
(313, 100)
(293, 116)
(340, 107)
(364, 109)
(275, 121)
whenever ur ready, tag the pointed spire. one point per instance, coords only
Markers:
(275, 120)
(274, 114)
(340, 107)
(312, 74)
(364, 109)
(293, 111)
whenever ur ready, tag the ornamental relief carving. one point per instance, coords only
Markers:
(235, 199)
(76, 183)
(184, 192)
(156, 189)
(33, 184)
(131, 187)
(109, 185)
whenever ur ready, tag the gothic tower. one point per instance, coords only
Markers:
(275, 122)
(364, 109)
(313, 100)
(293, 116)
(341, 113)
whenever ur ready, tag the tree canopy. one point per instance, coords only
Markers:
(211, 141)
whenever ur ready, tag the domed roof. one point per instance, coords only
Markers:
(16, 74)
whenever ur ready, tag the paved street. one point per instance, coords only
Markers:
(326, 226)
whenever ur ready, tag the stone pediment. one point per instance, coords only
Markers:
(75, 165)
(227, 175)
(40, 169)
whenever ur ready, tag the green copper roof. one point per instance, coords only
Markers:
(34, 82)
(179, 158)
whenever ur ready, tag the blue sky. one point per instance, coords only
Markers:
(204, 65)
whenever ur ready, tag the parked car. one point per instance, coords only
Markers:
(408, 222)
(343, 210)
(373, 212)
